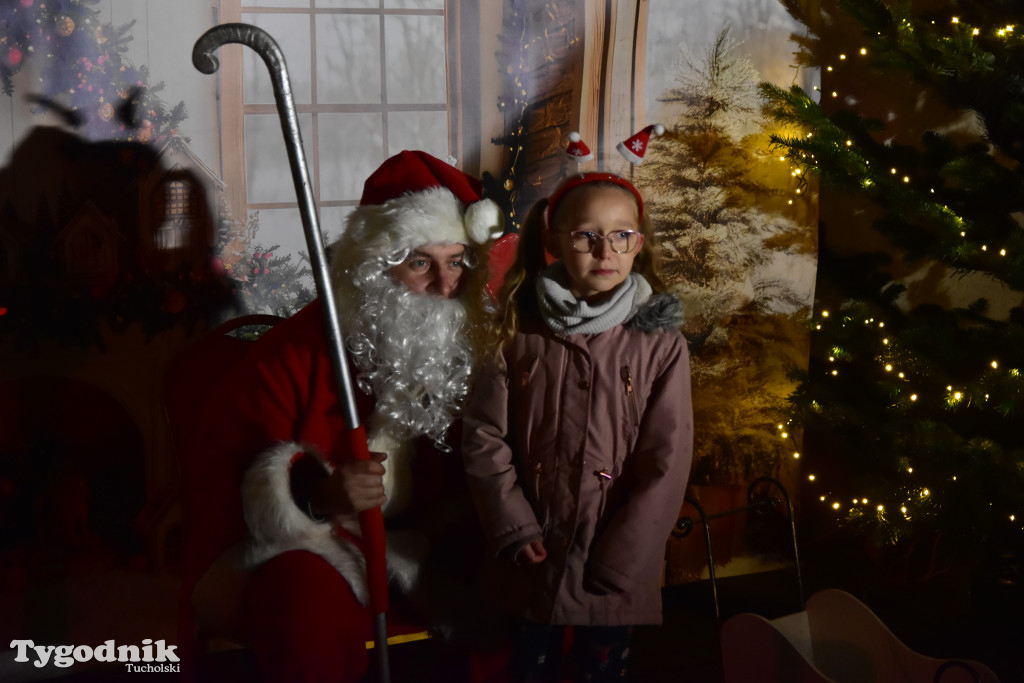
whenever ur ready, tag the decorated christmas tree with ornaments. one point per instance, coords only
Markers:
(80, 67)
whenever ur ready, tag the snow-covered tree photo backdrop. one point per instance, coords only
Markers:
(736, 230)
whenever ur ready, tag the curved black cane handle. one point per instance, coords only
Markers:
(259, 40)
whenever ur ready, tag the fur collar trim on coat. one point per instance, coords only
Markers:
(661, 312)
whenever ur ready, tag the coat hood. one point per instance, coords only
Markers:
(661, 312)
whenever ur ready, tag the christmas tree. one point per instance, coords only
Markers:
(262, 280)
(729, 249)
(83, 70)
(914, 395)
(269, 283)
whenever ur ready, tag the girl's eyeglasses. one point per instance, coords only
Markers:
(586, 241)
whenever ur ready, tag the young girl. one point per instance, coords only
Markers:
(577, 442)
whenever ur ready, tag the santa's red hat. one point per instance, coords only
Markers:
(578, 149)
(415, 199)
(635, 147)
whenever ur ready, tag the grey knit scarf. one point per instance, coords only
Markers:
(565, 314)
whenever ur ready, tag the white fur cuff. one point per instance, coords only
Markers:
(267, 504)
(276, 525)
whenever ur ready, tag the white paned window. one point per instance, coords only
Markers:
(370, 78)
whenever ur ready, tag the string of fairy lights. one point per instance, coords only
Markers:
(808, 161)
(914, 493)
(911, 495)
(525, 50)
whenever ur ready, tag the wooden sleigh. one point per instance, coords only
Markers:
(835, 638)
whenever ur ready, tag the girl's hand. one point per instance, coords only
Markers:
(354, 486)
(531, 553)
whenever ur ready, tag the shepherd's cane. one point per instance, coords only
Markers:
(371, 521)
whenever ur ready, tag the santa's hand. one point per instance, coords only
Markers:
(354, 486)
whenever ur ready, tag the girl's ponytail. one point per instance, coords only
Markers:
(517, 298)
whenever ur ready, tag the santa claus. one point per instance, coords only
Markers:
(408, 274)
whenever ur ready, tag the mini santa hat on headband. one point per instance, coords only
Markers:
(414, 199)
(635, 147)
(578, 149)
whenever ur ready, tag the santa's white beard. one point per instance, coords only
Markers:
(411, 354)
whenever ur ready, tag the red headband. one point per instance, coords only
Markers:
(595, 177)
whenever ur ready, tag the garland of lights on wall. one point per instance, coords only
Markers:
(523, 49)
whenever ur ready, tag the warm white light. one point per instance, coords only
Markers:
(796, 455)
(881, 508)
(835, 506)
(995, 365)
(785, 435)
(863, 50)
(913, 397)
(810, 477)
(925, 493)
(888, 368)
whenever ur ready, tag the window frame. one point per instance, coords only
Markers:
(463, 117)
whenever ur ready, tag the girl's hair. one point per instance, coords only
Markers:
(517, 299)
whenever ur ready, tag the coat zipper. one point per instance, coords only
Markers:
(538, 468)
(627, 377)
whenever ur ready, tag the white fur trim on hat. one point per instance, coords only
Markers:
(431, 216)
